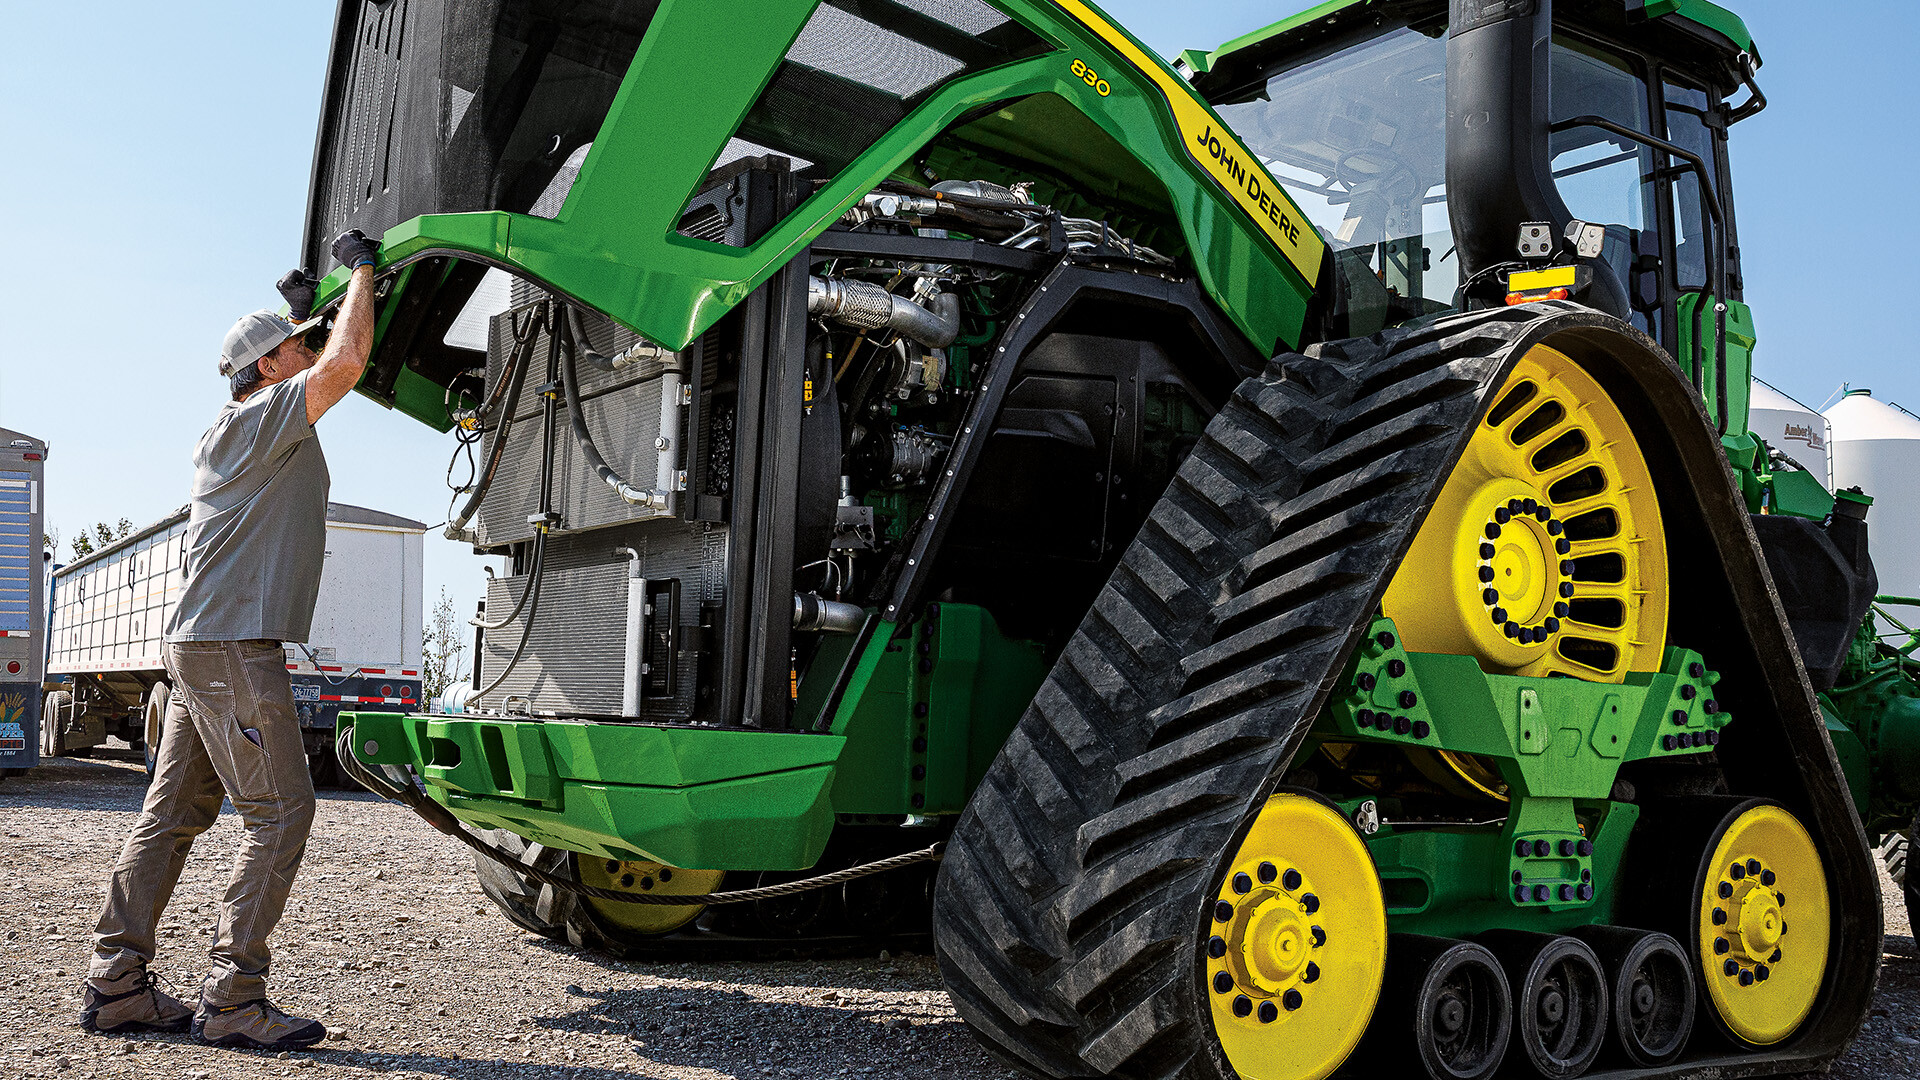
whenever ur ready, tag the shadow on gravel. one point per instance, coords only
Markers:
(110, 780)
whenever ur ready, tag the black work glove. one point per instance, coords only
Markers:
(351, 248)
(297, 288)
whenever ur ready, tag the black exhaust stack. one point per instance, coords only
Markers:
(1499, 171)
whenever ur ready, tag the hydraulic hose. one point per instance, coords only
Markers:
(579, 344)
(519, 361)
(570, 382)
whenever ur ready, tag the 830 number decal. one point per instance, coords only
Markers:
(1092, 78)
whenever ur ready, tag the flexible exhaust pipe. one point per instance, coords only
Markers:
(810, 612)
(870, 307)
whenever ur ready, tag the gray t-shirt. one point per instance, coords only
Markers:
(258, 530)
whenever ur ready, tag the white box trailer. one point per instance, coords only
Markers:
(106, 676)
(23, 644)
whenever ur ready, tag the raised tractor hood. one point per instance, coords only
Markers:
(586, 146)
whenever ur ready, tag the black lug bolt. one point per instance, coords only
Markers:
(1688, 693)
(1753, 867)
(1512, 629)
(1554, 528)
(1522, 894)
(1781, 899)
(1486, 550)
(1385, 639)
(1408, 699)
(1222, 983)
(1566, 893)
(1366, 680)
(1216, 946)
(1552, 624)
(1562, 546)
(1583, 848)
(1713, 738)
(1309, 903)
(1666, 742)
(1268, 1014)
(1242, 1005)
(1242, 883)
(1737, 871)
(1530, 506)
(1311, 974)
(1746, 978)
(1566, 567)
(1767, 878)
(1402, 725)
(1421, 729)
(1775, 958)
(1679, 718)
(1515, 506)
(1383, 721)
(1502, 515)
(1698, 738)
(1696, 669)
(1566, 589)
(1491, 596)
(1523, 848)
(1290, 880)
(1223, 912)
(1710, 706)
(1499, 614)
(1726, 890)
(1586, 892)
(1486, 573)
(1363, 717)
(1562, 610)
(1319, 936)
(1540, 893)
(1266, 872)
(1292, 1000)
(1719, 916)
(1731, 967)
(1566, 848)
(1396, 668)
(1761, 972)
(1720, 946)
(1493, 531)
(1542, 849)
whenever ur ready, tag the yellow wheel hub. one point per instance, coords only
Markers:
(1763, 925)
(1544, 553)
(1297, 943)
(646, 879)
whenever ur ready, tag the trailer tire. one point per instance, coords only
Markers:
(158, 697)
(52, 731)
(1896, 850)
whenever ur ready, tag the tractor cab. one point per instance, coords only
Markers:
(1618, 120)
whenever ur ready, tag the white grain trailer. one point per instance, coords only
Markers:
(23, 597)
(105, 672)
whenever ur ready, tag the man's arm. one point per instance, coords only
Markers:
(345, 358)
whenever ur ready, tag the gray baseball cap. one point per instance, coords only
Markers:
(254, 336)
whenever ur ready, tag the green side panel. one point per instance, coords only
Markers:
(1710, 15)
(1800, 495)
(1740, 343)
(1852, 754)
(1748, 459)
(707, 798)
(928, 708)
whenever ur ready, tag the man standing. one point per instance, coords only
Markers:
(255, 542)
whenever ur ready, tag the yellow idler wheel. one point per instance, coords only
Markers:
(1763, 925)
(1297, 943)
(650, 879)
(1544, 554)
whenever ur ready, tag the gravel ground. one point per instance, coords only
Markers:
(388, 940)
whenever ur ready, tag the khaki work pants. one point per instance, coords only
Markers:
(222, 691)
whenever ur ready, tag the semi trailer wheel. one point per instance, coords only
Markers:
(158, 696)
(52, 725)
(1650, 984)
(1896, 850)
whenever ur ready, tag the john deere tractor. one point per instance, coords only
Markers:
(1258, 562)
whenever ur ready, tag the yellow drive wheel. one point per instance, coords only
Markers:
(1296, 944)
(1544, 554)
(1762, 926)
(648, 879)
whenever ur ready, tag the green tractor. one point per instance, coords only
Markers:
(1280, 529)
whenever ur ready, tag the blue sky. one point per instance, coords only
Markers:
(157, 159)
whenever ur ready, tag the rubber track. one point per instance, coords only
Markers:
(1069, 906)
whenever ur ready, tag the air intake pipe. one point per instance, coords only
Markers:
(870, 307)
(1499, 163)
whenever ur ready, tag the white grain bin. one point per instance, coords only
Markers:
(1791, 428)
(1876, 447)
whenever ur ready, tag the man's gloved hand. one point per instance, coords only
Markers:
(352, 248)
(297, 288)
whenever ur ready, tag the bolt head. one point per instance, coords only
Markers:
(1242, 883)
(1268, 1013)
(1720, 946)
(1292, 1000)
(371, 747)
(1222, 912)
(1242, 1005)
(1266, 872)
(1217, 947)
(1290, 880)
(1309, 903)
(1222, 983)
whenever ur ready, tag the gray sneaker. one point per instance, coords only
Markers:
(131, 1003)
(255, 1025)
